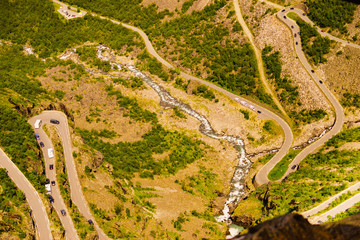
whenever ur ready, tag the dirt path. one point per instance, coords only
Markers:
(258, 58)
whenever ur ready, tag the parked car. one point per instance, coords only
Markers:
(293, 167)
(285, 17)
(51, 199)
(42, 144)
(296, 43)
(52, 183)
(37, 136)
(295, 35)
(292, 26)
(47, 181)
(51, 166)
(291, 8)
(312, 71)
(54, 121)
(258, 111)
(63, 212)
(283, 10)
(320, 81)
(90, 221)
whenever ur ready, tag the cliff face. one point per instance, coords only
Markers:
(295, 227)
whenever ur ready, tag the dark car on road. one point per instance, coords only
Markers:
(296, 43)
(312, 71)
(51, 166)
(54, 121)
(42, 144)
(37, 136)
(285, 17)
(258, 111)
(51, 199)
(320, 81)
(53, 183)
(292, 26)
(90, 221)
(293, 167)
(63, 212)
(47, 181)
(283, 10)
(295, 35)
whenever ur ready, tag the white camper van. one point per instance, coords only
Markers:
(51, 153)
(38, 123)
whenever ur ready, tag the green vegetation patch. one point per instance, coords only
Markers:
(88, 54)
(134, 110)
(204, 183)
(351, 100)
(124, 10)
(37, 23)
(18, 141)
(281, 167)
(332, 13)
(128, 158)
(12, 205)
(204, 92)
(283, 85)
(186, 5)
(314, 46)
(307, 116)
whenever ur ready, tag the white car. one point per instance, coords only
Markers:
(252, 107)
(243, 103)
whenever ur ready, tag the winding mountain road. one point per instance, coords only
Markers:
(327, 203)
(37, 207)
(75, 187)
(265, 113)
(339, 111)
(66, 221)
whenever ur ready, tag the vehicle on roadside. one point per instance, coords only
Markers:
(42, 144)
(90, 221)
(51, 153)
(48, 188)
(312, 71)
(252, 107)
(63, 212)
(37, 123)
(51, 199)
(47, 181)
(52, 183)
(54, 121)
(295, 35)
(292, 8)
(37, 136)
(258, 111)
(296, 43)
(243, 103)
(285, 17)
(292, 26)
(283, 10)
(51, 166)
(293, 167)
(320, 81)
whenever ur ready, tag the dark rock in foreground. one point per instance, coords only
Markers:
(296, 227)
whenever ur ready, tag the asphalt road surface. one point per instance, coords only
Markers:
(32, 197)
(327, 203)
(75, 187)
(339, 119)
(265, 113)
(66, 221)
(342, 207)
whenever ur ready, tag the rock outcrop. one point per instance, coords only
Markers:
(296, 227)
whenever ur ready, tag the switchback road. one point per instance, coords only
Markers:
(339, 111)
(58, 204)
(32, 197)
(75, 187)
